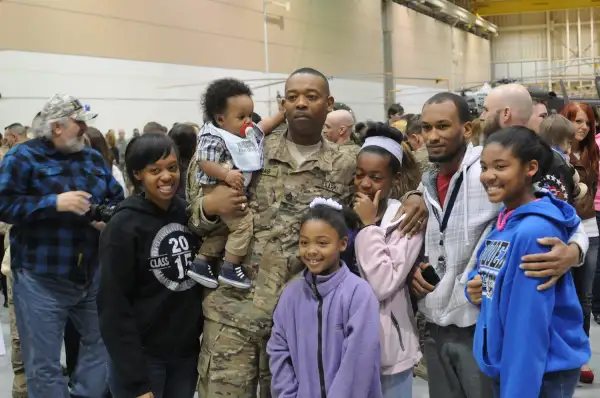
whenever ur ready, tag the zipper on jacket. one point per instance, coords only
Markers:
(320, 338)
(397, 326)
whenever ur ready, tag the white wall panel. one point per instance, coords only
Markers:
(429, 49)
(127, 94)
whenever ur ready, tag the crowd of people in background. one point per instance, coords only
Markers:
(304, 254)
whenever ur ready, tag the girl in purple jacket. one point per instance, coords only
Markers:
(325, 337)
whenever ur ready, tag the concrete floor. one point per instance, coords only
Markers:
(419, 389)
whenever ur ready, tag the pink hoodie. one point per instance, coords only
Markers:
(385, 260)
(597, 199)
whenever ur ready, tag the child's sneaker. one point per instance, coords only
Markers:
(201, 271)
(233, 275)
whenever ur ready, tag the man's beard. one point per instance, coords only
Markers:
(448, 157)
(492, 126)
(73, 146)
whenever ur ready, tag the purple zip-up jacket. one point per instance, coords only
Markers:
(343, 359)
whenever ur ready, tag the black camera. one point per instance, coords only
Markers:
(101, 212)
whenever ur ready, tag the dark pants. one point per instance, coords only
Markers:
(583, 277)
(451, 368)
(554, 385)
(596, 289)
(72, 341)
(176, 378)
(3, 284)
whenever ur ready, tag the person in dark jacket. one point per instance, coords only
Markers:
(150, 311)
(558, 132)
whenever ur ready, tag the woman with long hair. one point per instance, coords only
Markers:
(584, 157)
(98, 143)
(112, 145)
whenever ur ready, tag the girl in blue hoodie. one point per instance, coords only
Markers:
(325, 337)
(530, 342)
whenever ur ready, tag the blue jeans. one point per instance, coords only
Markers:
(42, 306)
(398, 385)
(560, 384)
(583, 277)
(176, 378)
(596, 289)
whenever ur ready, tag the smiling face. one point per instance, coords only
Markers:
(373, 173)
(160, 180)
(582, 124)
(238, 112)
(505, 177)
(320, 247)
(442, 131)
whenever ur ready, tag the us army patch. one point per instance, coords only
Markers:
(332, 187)
(270, 172)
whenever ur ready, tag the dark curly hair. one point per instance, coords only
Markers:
(409, 171)
(214, 99)
(525, 145)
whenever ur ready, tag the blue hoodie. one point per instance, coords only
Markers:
(325, 338)
(523, 333)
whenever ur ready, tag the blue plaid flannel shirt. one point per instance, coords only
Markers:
(43, 240)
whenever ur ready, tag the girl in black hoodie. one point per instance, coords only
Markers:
(150, 311)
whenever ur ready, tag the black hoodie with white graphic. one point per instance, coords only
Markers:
(147, 305)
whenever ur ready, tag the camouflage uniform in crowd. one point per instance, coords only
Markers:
(351, 148)
(422, 157)
(19, 389)
(238, 322)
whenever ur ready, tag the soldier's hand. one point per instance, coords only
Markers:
(77, 202)
(224, 201)
(235, 179)
(474, 289)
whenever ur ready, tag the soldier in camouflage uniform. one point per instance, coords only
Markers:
(299, 166)
(338, 128)
(19, 388)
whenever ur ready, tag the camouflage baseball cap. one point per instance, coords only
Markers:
(62, 105)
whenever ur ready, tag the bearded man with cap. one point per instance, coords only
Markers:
(47, 186)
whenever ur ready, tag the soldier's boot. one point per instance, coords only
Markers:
(19, 389)
(233, 275)
(201, 271)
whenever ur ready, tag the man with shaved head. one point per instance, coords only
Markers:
(506, 105)
(338, 129)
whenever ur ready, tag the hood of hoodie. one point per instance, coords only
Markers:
(547, 206)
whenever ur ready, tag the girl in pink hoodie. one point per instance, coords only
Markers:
(385, 258)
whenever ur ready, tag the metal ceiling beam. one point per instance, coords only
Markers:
(502, 7)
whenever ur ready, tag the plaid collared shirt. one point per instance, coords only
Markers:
(43, 240)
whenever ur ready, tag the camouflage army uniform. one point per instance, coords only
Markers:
(350, 148)
(3, 150)
(422, 157)
(238, 322)
(19, 389)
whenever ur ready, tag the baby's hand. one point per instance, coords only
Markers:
(235, 179)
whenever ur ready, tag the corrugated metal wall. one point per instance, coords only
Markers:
(521, 49)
